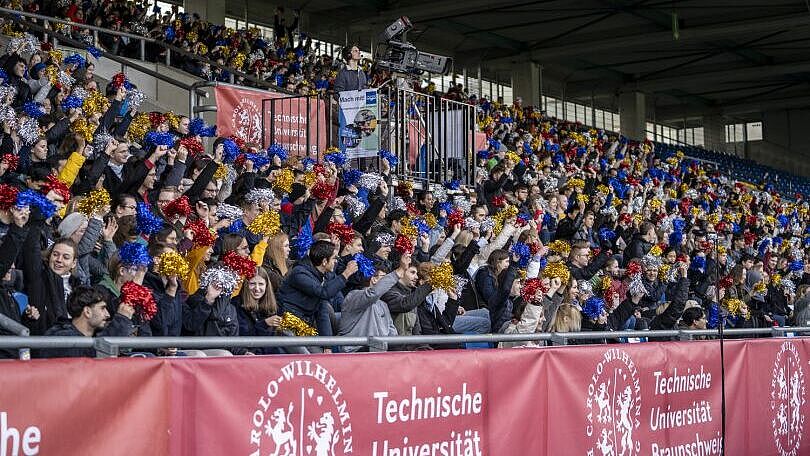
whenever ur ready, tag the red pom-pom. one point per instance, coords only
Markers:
(139, 297)
(202, 235)
(403, 245)
(533, 291)
(633, 268)
(321, 191)
(721, 226)
(58, 187)
(179, 207)
(344, 232)
(287, 208)
(118, 80)
(726, 282)
(706, 245)
(455, 217)
(318, 169)
(626, 218)
(749, 238)
(8, 196)
(12, 161)
(534, 248)
(156, 118)
(681, 258)
(498, 201)
(240, 143)
(412, 209)
(193, 146)
(240, 160)
(243, 266)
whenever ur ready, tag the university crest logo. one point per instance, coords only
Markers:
(787, 400)
(614, 406)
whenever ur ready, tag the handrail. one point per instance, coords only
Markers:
(12, 326)
(110, 346)
(170, 47)
(63, 38)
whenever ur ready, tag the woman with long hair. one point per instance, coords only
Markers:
(494, 284)
(257, 311)
(276, 259)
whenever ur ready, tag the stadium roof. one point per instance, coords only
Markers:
(733, 57)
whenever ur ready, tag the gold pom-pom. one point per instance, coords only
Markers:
(760, 287)
(284, 180)
(407, 229)
(52, 72)
(96, 200)
(202, 49)
(655, 250)
(733, 306)
(776, 280)
(560, 247)
(297, 326)
(138, 127)
(576, 183)
(583, 197)
(607, 282)
(655, 204)
(172, 120)
(82, 127)
(309, 178)
(771, 220)
(557, 269)
(714, 218)
(221, 172)
(172, 263)
(56, 57)
(191, 37)
(95, 103)
(721, 249)
(238, 60)
(663, 271)
(603, 189)
(431, 221)
(502, 216)
(441, 276)
(513, 157)
(267, 223)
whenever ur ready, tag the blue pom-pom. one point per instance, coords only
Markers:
(675, 238)
(606, 234)
(3, 76)
(483, 155)
(364, 265)
(134, 254)
(197, 127)
(75, 59)
(495, 144)
(71, 102)
(258, 160)
(777, 241)
(304, 241)
(33, 109)
(159, 139)
(236, 227)
(446, 206)
(713, 321)
(420, 225)
(783, 220)
(338, 158)
(389, 157)
(351, 176)
(523, 217)
(308, 163)
(547, 219)
(453, 184)
(593, 307)
(678, 224)
(763, 246)
(796, 266)
(229, 150)
(94, 51)
(279, 151)
(698, 262)
(169, 33)
(523, 252)
(32, 198)
(543, 263)
(147, 222)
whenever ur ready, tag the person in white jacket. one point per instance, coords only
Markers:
(529, 316)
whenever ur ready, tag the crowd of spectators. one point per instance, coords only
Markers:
(117, 222)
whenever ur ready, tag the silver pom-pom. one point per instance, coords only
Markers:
(398, 204)
(66, 80)
(651, 262)
(487, 225)
(88, 40)
(636, 286)
(440, 193)
(8, 116)
(260, 196)
(24, 45)
(471, 224)
(692, 194)
(220, 276)
(100, 141)
(550, 184)
(385, 239)
(369, 180)
(789, 286)
(7, 94)
(28, 130)
(135, 98)
(354, 206)
(137, 28)
(80, 92)
(460, 282)
(463, 204)
(230, 212)
(585, 288)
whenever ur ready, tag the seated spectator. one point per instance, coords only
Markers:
(364, 313)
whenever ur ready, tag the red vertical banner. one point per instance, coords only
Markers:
(766, 410)
(251, 115)
(451, 403)
(635, 399)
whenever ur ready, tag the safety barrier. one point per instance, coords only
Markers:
(673, 398)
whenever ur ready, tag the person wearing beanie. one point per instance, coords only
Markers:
(73, 226)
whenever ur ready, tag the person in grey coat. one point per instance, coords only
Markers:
(365, 313)
(351, 76)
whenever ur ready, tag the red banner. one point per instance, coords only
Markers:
(252, 114)
(628, 399)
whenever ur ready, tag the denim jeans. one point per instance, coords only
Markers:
(472, 322)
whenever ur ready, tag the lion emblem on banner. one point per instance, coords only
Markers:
(614, 406)
(787, 400)
(301, 413)
(246, 120)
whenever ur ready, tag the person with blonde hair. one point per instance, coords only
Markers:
(276, 261)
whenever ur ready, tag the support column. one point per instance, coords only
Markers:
(212, 11)
(714, 133)
(633, 115)
(526, 80)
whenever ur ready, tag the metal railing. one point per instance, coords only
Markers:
(111, 346)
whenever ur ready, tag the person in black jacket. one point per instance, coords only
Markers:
(641, 242)
(494, 284)
(568, 227)
(9, 249)
(91, 319)
(257, 312)
(15, 69)
(580, 264)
